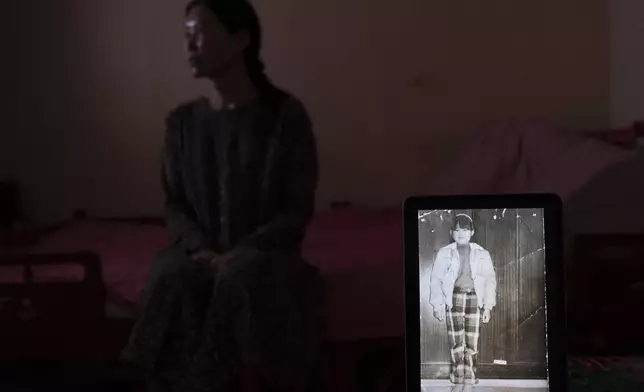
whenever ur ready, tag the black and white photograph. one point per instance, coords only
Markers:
(482, 300)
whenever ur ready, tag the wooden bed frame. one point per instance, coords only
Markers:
(56, 298)
(40, 318)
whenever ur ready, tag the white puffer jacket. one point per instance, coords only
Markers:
(446, 270)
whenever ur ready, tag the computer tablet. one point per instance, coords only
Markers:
(484, 294)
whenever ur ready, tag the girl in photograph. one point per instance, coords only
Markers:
(463, 292)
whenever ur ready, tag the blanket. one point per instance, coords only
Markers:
(506, 157)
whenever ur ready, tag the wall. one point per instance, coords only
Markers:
(8, 30)
(627, 61)
(391, 89)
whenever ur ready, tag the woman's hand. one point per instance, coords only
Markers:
(241, 251)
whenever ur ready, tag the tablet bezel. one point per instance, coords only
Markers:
(555, 290)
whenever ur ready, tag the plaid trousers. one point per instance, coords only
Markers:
(463, 331)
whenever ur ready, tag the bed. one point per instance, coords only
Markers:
(361, 284)
(358, 250)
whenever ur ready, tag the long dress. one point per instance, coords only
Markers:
(242, 183)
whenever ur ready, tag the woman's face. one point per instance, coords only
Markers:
(211, 49)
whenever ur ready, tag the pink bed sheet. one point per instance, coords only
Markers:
(359, 253)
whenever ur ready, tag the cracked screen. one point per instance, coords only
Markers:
(482, 300)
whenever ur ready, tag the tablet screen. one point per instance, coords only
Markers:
(482, 300)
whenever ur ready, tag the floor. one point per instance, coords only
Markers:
(486, 386)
